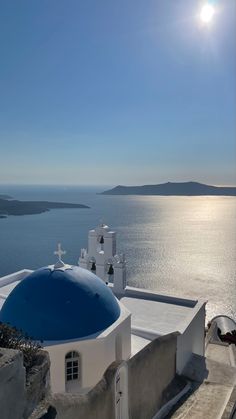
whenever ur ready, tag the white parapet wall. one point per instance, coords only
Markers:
(8, 283)
(192, 338)
(155, 315)
(16, 276)
(96, 353)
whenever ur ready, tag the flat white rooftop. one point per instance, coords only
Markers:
(158, 317)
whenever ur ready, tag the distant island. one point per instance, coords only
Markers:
(173, 188)
(5, 196)
(9, 206)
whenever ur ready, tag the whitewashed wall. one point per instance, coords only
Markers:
(95, 355)
(191, 340)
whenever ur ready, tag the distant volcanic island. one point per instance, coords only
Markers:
(9, 206)
(173, 188)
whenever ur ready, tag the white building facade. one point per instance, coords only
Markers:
(88, 358)
(101, 258)
(87, 321)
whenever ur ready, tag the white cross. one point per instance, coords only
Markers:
(59, 252)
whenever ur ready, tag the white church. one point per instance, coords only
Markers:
(88, 318)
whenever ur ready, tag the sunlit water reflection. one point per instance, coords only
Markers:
(182, 246)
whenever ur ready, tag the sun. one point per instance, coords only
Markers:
(207, 12)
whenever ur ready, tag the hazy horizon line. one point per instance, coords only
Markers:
(90, 185)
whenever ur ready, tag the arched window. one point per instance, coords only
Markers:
(72, 366)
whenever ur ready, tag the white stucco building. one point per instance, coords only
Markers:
(87, 321)
(74, 316)
(102, 258)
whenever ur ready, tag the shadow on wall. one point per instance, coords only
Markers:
(150, 372)
(51, 413)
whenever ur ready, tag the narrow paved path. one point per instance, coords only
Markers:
(213, 380)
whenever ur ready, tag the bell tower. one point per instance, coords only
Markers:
(101, 258)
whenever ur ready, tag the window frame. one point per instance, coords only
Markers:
(72, 367)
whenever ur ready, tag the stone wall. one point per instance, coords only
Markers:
(12, 384)
(150, 372)
(98, 403)
(19, 394)
(37, 383)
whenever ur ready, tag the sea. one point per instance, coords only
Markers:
(180, 246)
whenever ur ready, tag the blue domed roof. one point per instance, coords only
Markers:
(54, 304)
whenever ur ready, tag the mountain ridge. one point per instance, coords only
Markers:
(16, 207)
(190, 188)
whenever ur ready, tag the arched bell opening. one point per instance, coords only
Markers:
(92, 265)
(109, 270)
(100, 247)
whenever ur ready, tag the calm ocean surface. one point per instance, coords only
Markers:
(183, 246)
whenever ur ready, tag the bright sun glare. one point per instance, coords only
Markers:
(207, 13)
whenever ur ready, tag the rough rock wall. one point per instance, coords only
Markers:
(37, 384)
(12, 384)
(18, 396)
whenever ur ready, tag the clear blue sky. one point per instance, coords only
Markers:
(117, 92)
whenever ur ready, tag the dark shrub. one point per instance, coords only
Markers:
(12, 338)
